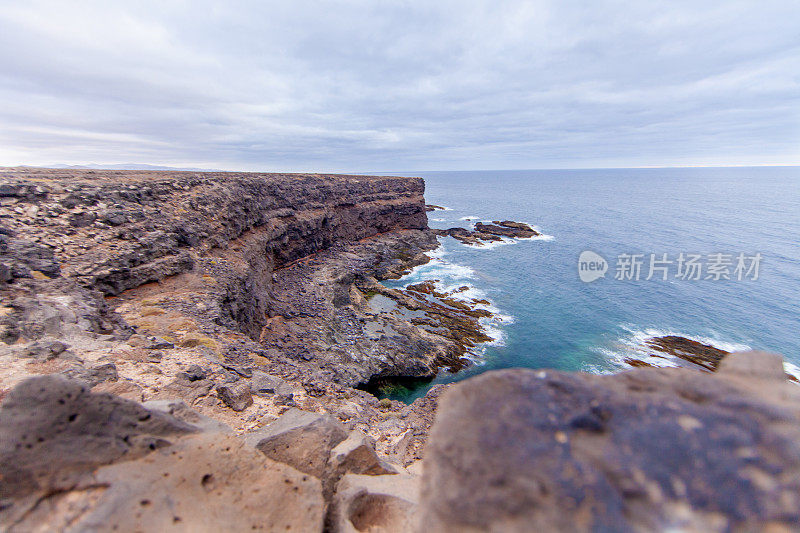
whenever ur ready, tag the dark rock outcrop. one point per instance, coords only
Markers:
(482, 233)
(648, 449)
(703, 355)
(507, 229)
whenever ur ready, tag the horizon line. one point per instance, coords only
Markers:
(167, 168)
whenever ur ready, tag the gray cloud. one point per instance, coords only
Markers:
(362, 85)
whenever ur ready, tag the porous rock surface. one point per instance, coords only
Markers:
(644, 450)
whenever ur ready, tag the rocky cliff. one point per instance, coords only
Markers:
(241, 294)
(186, 351)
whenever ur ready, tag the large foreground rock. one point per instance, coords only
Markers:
(207, 482)
(71, 460)
(52, 429)
(649, 449)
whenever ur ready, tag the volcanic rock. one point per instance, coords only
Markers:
(237, 396)
(300, 439)
(375, 503)
(648, 449)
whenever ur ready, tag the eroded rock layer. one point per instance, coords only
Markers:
(243, 295)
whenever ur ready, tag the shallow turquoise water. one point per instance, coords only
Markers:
(551, 319)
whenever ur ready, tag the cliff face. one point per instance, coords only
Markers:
(115, 230)
(126, 279)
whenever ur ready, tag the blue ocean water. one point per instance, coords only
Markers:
(551, 319)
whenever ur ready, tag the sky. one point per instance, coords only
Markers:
(379, 85)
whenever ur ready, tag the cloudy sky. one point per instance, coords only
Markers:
(400, 85)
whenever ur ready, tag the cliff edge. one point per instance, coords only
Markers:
(187, 350)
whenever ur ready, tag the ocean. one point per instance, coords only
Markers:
(547, 317)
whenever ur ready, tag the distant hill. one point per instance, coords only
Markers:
(132, 166)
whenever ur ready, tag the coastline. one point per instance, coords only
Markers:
(212, 326)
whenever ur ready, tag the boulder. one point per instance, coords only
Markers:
(193, 373)
(236, 396)
(507, 228)
(44, 349)
(300, 439)
(375, 504)
(754, 364)
(94, 375)
(648, 449)
(263, 384)
(356, 454)
(184, 389)
(202, 483)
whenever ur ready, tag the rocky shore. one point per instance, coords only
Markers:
(199, 351)
(485, 233)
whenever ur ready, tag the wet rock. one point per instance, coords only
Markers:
(648, 449)
(514, 225)
(238, 396)
(703, 355)
(507, 229)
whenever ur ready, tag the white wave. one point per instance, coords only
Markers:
(639, 336)
(540, 237)
(470, 293)
(791, 369)
(491, 245)
(492, 330)
(471, 217)
(438, 219)
(633, 346)
(449, 271)
(450, 277)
